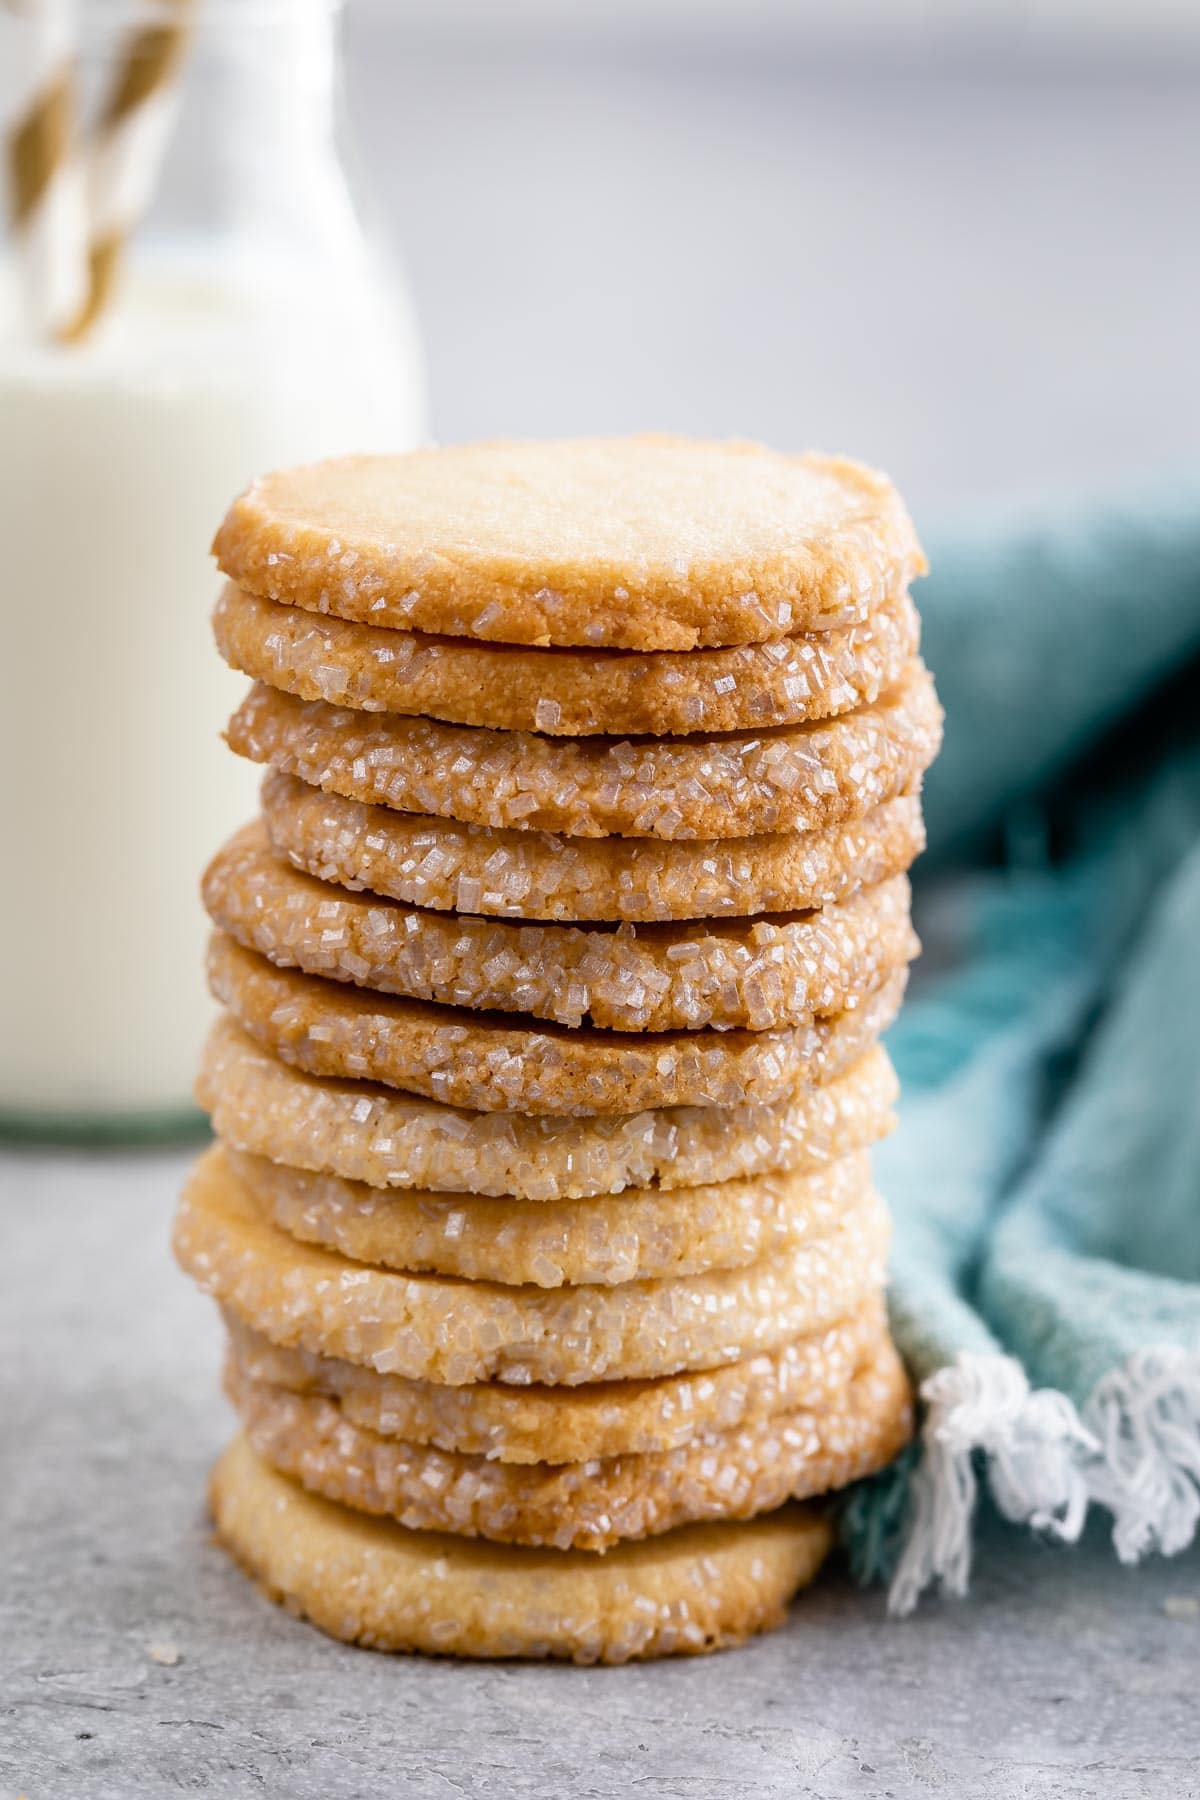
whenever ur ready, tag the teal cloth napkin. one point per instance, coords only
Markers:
(1045, 1178)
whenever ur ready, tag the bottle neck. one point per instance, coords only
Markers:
(262, 101)
(252, 107)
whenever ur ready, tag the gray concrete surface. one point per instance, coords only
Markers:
(134, 1661)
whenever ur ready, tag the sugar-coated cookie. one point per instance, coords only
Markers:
(584, 1505)
(392, 1140)
(492, 1064)
(566, 693)
(373, 1582)
(532, 875)
(754, 974)
(537, 1424)
(640, 1235)
(788, 778)
(433, 1328)
(645, 543)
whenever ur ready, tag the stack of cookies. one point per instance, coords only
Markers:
(553, 975)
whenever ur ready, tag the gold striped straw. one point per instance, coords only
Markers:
(45, 191)
(131, 137)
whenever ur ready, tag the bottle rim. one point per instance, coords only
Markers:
(197, 15)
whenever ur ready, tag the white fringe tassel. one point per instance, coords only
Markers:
(1147, 1418)
(1135, 1451)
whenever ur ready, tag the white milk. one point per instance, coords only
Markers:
(117, 462)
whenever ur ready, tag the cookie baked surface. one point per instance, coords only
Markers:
(533, 875)
(788, 778)
(434, 1328)
(393, 1140)
(566, 693)
(537, 1424)
(591, 1505)
(373, 1582)
(770, 972)
(495, 1063)
(651, 543)
(640, 1235)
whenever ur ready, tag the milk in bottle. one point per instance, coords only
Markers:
(251, 329)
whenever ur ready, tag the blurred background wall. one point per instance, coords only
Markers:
(963, 241)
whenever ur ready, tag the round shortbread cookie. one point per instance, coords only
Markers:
(788, 778)
(640, 1235)
(531, 875)
(433, 1328)
(756, 975)
(589, 1505)
(566, 693)
(600, 1419)
(492, 1064)
(373, 1582)
(391, 1140)
(649, 543)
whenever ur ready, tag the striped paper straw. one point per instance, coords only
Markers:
(131, 138)
(45, 186)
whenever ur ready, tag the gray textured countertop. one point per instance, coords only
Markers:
(135, 1661)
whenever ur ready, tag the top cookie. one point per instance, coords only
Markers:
(646, 543)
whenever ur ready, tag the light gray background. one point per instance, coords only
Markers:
(970, 256)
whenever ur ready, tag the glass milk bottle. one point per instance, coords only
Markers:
(249, 326)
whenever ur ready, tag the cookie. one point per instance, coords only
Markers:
(650, 543)
(583, 1505)
(373, 1582)
(642, 1234)
(757, 975)
(566, 693)
(432, 1328)
(600, 1419)
(488, 1064)
(532, 875)
(788, 778)
(391, 1140)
